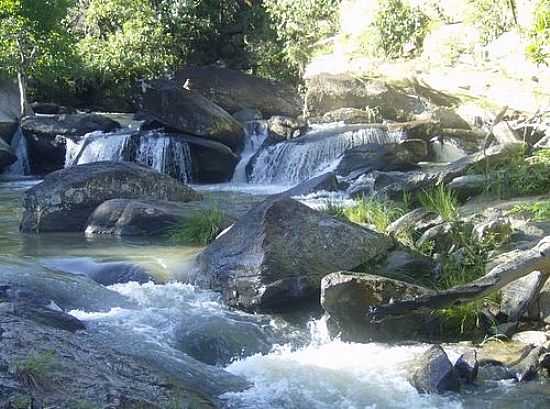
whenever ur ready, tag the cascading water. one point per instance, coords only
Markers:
(19, 145)
(158, 150)
(256, 134)
(317, 152)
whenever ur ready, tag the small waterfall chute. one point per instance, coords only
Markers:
(166, 153)
(317, 152)
(256, 134)
(22, 166)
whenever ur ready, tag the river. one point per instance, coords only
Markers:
(303, 368)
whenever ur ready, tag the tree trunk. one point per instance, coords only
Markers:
(521, 264)
(25, 107)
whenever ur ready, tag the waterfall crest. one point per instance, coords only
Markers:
(256, 134)
(157, 150)
(19, 146)
(317, 152)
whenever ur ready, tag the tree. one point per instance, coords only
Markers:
(32, 32)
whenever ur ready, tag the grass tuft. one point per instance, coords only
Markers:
(35, 370)
(378, 213)
(200, 229)
(440, 200)
(538, 211)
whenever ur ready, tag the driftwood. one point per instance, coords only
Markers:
(537, 258)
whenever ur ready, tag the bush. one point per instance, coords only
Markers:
(200, 229)
(539, 48)
(35, 370)
(538, 211)
(397, 25)
(491, 17)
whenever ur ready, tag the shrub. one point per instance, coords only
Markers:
(491, 17)
(379, 213)
(440, 200)
(398, 24)
(539, 48)
(335, 210)
(35, 370)
(200, 229)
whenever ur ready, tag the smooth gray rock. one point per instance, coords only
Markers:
(434, 373)
(281, 128)
(408, 221)
(467, 367)
(528, 368)
(494, 372)
(65, 199)
(7, 157)
(274, 257)
(468, 185)
(520, 294)
(535, 338)
(349, 297)
(190, 112)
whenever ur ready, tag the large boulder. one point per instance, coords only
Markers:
(7, 156)
(187, 111)
(235, 91)
(65, 199)
(124, 217)
(274, 257)
(46, 148)
(349, 297)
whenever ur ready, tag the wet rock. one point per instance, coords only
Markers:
(467, 367)
(66, 198)
(234, 90)
(434, 372)
(370, 157)
(123, 217)
(189, 112)
(46, 148)
(275, 256)
(527, 369)
(7, 157)
(535, 338)
(520, 294)
(349, 297)
(351, 116)
(220, 340)
(281, 128)
(247, 115)
(327, 182)
(494, 372)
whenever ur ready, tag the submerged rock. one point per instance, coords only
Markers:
(189, 112)
(124, 217)
(434, 372)
(66, 198)
(348, 298)
(46, 149)
(274, 257)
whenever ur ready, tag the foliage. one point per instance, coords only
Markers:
(397, 25)
(376, 212)
(520, 175)
(34, 41)
(539, 48)
(335, 210)
(35, 370)
(440, 200)
(200, 229)
(300, 24)
(538, 211)
(491, 17)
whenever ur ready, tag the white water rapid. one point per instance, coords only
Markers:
(317, 152)
(256, 134)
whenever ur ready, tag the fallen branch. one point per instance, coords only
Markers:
(537, 258)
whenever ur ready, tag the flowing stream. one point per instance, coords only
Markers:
(300, 369)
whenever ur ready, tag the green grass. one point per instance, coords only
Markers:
(440, 200)
(200, 229)
(538, 211)
(36, 370)
(335, 210)
(378, 213)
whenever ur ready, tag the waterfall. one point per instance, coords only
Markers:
(256, 134)
(317, 152)
(19, 146)
(163, 152)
